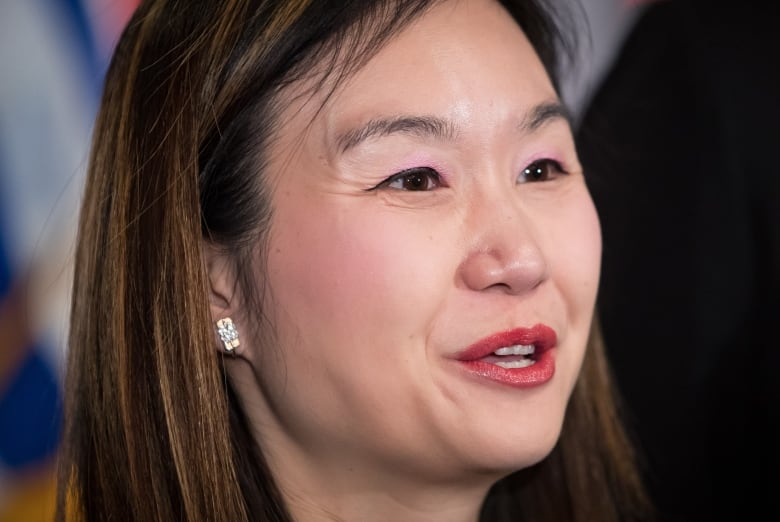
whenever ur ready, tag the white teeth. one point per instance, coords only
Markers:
(518, 349)
(522, 363)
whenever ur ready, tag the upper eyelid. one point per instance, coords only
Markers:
(545, 159)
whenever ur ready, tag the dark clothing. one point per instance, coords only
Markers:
(681, 146)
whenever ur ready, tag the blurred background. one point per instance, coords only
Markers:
(675, 110)
(53, 54)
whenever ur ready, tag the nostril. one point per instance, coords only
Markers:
(502, 287)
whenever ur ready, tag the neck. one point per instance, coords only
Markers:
(318, 488)
(330, 502)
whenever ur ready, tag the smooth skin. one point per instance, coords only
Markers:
(406, 227)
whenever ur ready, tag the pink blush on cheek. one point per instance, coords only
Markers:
(336, 270)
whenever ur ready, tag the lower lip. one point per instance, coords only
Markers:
(535, 375)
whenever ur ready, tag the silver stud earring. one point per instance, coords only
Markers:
(228, 334)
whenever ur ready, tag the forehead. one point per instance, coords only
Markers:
(454, 61)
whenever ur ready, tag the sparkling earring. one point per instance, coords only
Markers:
(228, 334)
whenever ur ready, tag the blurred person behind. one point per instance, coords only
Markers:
(680, 142)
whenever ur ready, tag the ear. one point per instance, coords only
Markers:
(223, 299)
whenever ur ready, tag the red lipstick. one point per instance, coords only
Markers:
(479, 358)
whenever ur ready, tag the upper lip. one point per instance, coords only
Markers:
(540, 335)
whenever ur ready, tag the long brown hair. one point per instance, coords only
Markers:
(153, 429)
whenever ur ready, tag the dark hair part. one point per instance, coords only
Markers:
(153, 429)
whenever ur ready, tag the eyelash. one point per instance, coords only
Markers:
(415, 175)
(540, 170)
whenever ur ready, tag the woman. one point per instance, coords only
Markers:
(337, 261)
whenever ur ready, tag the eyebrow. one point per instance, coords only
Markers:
(439, 128)
(420, 126)
(542, 114)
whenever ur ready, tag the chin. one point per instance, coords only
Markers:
(499, 456)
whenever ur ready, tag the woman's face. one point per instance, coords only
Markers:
(433, 213)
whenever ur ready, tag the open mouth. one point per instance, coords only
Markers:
(516, 356)
(517, 348)
(521, 357)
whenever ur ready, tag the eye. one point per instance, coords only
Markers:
(416, 179)
(541, 170)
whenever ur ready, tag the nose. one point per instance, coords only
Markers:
(503, 254)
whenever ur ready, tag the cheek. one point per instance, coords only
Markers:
(576, 262)
(342, 273)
